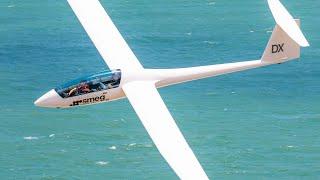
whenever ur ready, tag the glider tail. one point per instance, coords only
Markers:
(286, 38)
(281, 47)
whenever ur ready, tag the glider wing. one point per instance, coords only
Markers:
(287, 23)
(104, 34)
(163, 130)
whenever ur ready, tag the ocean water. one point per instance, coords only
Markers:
(257, 124)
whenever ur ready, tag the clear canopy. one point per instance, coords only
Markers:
(92, 83)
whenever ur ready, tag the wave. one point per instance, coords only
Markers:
(30, 138)
(102, 163)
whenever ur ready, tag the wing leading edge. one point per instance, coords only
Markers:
(163, 130)
(104, 34)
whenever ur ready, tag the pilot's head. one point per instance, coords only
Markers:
(83, 85)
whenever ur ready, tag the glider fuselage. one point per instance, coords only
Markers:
(107, 85)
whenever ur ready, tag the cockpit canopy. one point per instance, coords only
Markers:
(92, 83)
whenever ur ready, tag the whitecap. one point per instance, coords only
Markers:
(251, 31)
(113, 147)
(11, 6)
(102, 163)
(132, 144)
(30, 138)
(209, 42)
(51, 135)
(148, 145)
(189, 33)
(210, 93)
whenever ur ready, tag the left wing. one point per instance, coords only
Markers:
(163, 130)
(105, 35)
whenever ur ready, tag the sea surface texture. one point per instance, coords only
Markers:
(257, 124)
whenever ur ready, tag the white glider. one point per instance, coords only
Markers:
(129, 79)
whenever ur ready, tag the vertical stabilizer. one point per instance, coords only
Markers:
(281, 47)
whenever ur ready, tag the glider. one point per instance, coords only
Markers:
(129, 79)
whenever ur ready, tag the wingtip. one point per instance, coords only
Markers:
(285, 20)
(303, 42)
(306, 44)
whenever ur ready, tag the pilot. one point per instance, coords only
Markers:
(83, 88)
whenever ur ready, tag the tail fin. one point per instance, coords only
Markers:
(281, 47)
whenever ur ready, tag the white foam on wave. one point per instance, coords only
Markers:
(211, 93)
(51, 135)
(210, 42)
(148, 145)
(102, 163)
(63, 150)
(30, 138)
(287, 147)
(113, 147)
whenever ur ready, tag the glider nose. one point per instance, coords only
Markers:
(50, 99)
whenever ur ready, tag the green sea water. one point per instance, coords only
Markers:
(258, 124)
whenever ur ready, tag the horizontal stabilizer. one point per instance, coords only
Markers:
(287, 22)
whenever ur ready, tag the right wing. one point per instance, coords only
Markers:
(163, 130)
(287, 22)
(104, 34)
